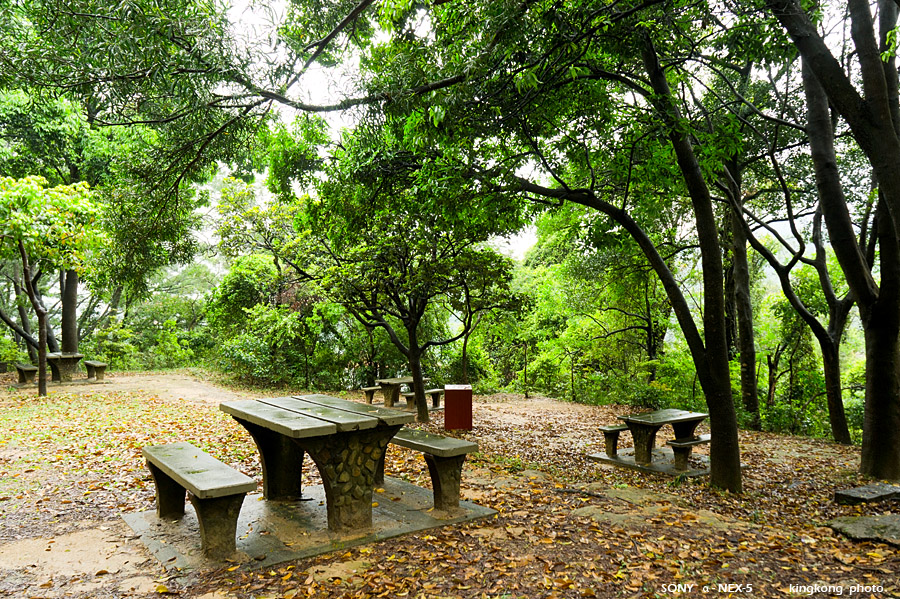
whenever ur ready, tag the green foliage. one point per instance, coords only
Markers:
(170, 351)
(53, 224)
(9, 351)
(252, 280)
(113, 345)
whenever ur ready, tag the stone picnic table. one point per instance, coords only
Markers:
(391, 388)
(345, 439)
(62, 366)
(644, 427)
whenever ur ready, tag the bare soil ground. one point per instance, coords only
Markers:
(567, 526)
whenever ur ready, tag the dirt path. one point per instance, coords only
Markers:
(566, 526)
(102, 558)
(165, 385)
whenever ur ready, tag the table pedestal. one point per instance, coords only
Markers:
(644, 437)
(391, 394)
(282, 463)
(348, 463)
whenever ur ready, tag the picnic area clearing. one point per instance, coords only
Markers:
(71, 466)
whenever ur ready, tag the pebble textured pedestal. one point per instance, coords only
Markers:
(62, 366)
(348, 464)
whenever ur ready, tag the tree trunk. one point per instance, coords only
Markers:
(873, 119)
(711, 361)
(41, 313)
(743, 307)
(465, 360)
(834, 394)
(881, 431)
(69, 298)
(415, 367)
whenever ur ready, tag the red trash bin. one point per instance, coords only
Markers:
(458, 407)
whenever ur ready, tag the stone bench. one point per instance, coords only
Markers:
(410, 397)
(95, 369)
(444, 456)
(26, 373)
(611, 438)
(681, 448)
(215, 489)
(370, 392)
(436, 395)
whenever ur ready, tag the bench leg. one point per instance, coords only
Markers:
(169, 495)
(445, 476)
(218, 518)
(98, 373)
(370, 396)
(282, 463)
(681, 457)
(90, 371)
(611, 440)
(436, 400)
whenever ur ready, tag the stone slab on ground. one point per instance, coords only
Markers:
(883, 529)
(872, 493)
(271, 532)
(662, 462)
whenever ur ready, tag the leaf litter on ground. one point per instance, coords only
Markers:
(566, 526)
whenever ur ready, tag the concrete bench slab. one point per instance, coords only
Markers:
(871, 493)
(215, 489)
(444, 457)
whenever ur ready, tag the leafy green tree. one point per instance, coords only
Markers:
(48, 228)
(394, 245)
(863, 92)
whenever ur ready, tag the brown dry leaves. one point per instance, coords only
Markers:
(566, 527)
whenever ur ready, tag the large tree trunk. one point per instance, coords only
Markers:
(69, 297)
(873, 120)
(711, 361)
(743, 307)
(880, 454)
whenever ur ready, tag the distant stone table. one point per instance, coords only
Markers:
(62, 366)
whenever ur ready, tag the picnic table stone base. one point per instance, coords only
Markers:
(62, 366)
(269, 532)
(884, 528)
(348, 471)
(662, 462)
(871, 493)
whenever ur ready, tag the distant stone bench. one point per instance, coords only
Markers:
(95, 369)
(611, 438)
(681, 448)
(215, 489)
(444, 456)
(436, 395)
(370, 392)
(26, 373)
